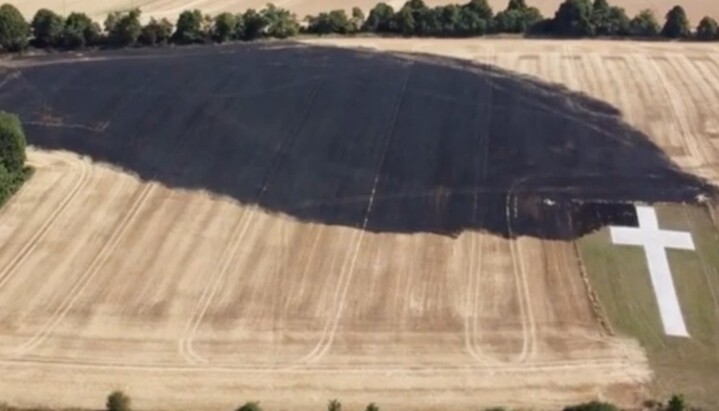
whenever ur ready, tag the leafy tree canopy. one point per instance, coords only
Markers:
(708, 29)
(573, 19)
(224, 27)
(80, 31)
(677, 24)
(123, 29)
(14, 30)
(380, 19)
(47, 27)
(156, 32)
(644, 24)
(189, 27)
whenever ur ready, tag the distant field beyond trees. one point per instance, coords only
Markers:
(574, 18)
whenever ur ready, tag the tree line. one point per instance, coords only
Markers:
(574, 18)
(119, 401)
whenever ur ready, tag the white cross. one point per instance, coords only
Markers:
(655, 241)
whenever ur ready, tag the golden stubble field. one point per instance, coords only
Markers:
(187, 300)
(696, 9)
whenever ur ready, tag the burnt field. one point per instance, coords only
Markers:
(386, 143)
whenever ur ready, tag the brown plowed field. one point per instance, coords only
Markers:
(190, 299)
(696, 9)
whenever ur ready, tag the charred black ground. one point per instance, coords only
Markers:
(362, 139)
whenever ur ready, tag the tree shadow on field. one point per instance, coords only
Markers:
(387, 143)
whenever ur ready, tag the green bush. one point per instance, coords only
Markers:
(676, 403)
(334, 405)
(250, 406)
(14, 30)
(117, 401)
(372, 407)
(12, 143)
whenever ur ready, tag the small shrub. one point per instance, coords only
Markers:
(372, 407)
(117, 401)
(250, 406)
(334, 405)
(676, 403)
(592, 406)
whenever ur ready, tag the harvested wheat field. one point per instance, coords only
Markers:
(291, 222)
(696, 9)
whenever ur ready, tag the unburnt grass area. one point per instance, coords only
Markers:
(620, 277)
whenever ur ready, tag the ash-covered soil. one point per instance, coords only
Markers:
(387, 143)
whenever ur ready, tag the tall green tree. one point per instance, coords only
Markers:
(14, 30)
(404, 21)
(644, 24)
(224, 27)
(708, 29)
(481, 8)
(516, 18)
(255, 24)
(12, 155)
(47, 28)
(281, 23)
(80, 31)
(123, 28)
(573, 19)
(336, 21)
(12, 143)
(156, 32)
(189, 27)
(677, 24)
(357, 18)
(380, 19)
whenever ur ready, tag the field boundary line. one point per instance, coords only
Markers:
(98, 262)
(594, 301)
